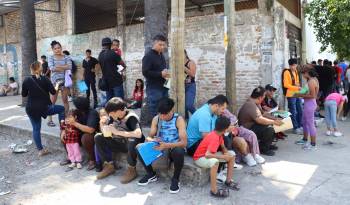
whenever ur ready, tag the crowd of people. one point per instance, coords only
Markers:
(214, 137)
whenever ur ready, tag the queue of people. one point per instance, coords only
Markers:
(213, 135)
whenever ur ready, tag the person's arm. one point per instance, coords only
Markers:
(287, 82)
(52, 89)
(265, 121)
(25, 90)
(191, 71)
(340, 109)
(154, 129)
(181, 127)
(133, 124)
(83, 128)
(146, 69)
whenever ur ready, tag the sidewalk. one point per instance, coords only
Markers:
(293, 176)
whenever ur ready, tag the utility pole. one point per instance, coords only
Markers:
(177, 58)
(28, 38)
(230, 56)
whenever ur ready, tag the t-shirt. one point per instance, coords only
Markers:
(203, 120)
(138, 95)
(337, 97)
(45, 67)
(210, 143)
(91, 119)
(248, 113)
(88, 65)
(343, 67)
(109, 60)
(13, 85)
(339, 73)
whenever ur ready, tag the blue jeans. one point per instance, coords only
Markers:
(36, 123)
(330, 107)
(153, 97)
(117, 91)
(190, 91)
(294, 106)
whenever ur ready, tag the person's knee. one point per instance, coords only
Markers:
(98, 138)
(87, 139)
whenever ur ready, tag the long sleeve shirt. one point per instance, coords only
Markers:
(153, 64)
(288, 82)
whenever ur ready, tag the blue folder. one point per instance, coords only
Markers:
(148, 153)
(82, 86)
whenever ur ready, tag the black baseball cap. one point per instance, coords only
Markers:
(270, 87)
(106, 41)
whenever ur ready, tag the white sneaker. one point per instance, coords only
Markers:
(337, 134)
(299, 131)
(249, 160)
(259, 159)
(238, 166)
(329, 133)
(70, 99)
(308, 146)
(221, 177)
(343, 118)
(72, 165)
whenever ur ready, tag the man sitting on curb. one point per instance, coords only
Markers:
(251, 117)
(122, 136)
(171, 129)
(207, 156)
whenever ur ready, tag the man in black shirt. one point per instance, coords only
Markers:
(46, 71)
(154, 69)
(109, 60)
(89, 64)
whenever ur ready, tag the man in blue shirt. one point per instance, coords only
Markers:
(343, 66)
(202, 122)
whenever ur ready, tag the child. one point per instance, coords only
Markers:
(333, 102)
(207, 156)
(104, 121)
(70, 137)
(137, 95)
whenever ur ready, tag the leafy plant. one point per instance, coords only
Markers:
(331, 20)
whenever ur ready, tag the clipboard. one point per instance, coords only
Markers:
(287, 125)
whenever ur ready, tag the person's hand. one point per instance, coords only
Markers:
(161, 146)
(278, 122)
(70, 121)
(165, 74)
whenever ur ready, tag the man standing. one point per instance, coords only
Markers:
(251, 117)
(109, 62)
(89, 64)
(343, 66)
(291, 84)
(154, 69)
(46, 71)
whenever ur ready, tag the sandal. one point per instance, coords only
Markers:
(232, 185)
(43, 152)
(51, 124)
(221, 193)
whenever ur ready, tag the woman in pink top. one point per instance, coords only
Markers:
(333, 107)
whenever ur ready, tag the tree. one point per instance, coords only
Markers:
(28, 37)
(331, 20)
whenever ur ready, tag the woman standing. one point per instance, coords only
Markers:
(190, 85)
(59, 64)
(38, 88)
(310, 106)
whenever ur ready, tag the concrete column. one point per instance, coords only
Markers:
(70, 17)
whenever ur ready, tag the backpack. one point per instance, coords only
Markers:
(282, 77)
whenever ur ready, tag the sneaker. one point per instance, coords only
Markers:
(249, 160)
(273, 147)
(337, 134)
(300, 142)
(237, 166)
(64, 162)
(259, 159)
(70, 99)
(221, 177)
(174, 187)
(148, 179)
(298, 131)
(79, 166)
(343, 118)
(329, 133)
(71, 165)
(268, 153)
(308, 146)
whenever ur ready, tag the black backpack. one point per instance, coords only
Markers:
(282, 77)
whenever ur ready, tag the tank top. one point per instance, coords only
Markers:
(189, 79)
(122, 126)
(168, 132)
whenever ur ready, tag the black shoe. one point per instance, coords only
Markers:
(147, 179)
(174, 187)
(98, 167)
(65, 162)
(268, 153)
(273, 147)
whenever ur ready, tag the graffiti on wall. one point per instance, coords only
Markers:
(8, 63)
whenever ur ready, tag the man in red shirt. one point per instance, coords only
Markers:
(338, 71)
(207, 156)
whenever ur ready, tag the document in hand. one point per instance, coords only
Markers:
(148, 153)
(287, 125)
